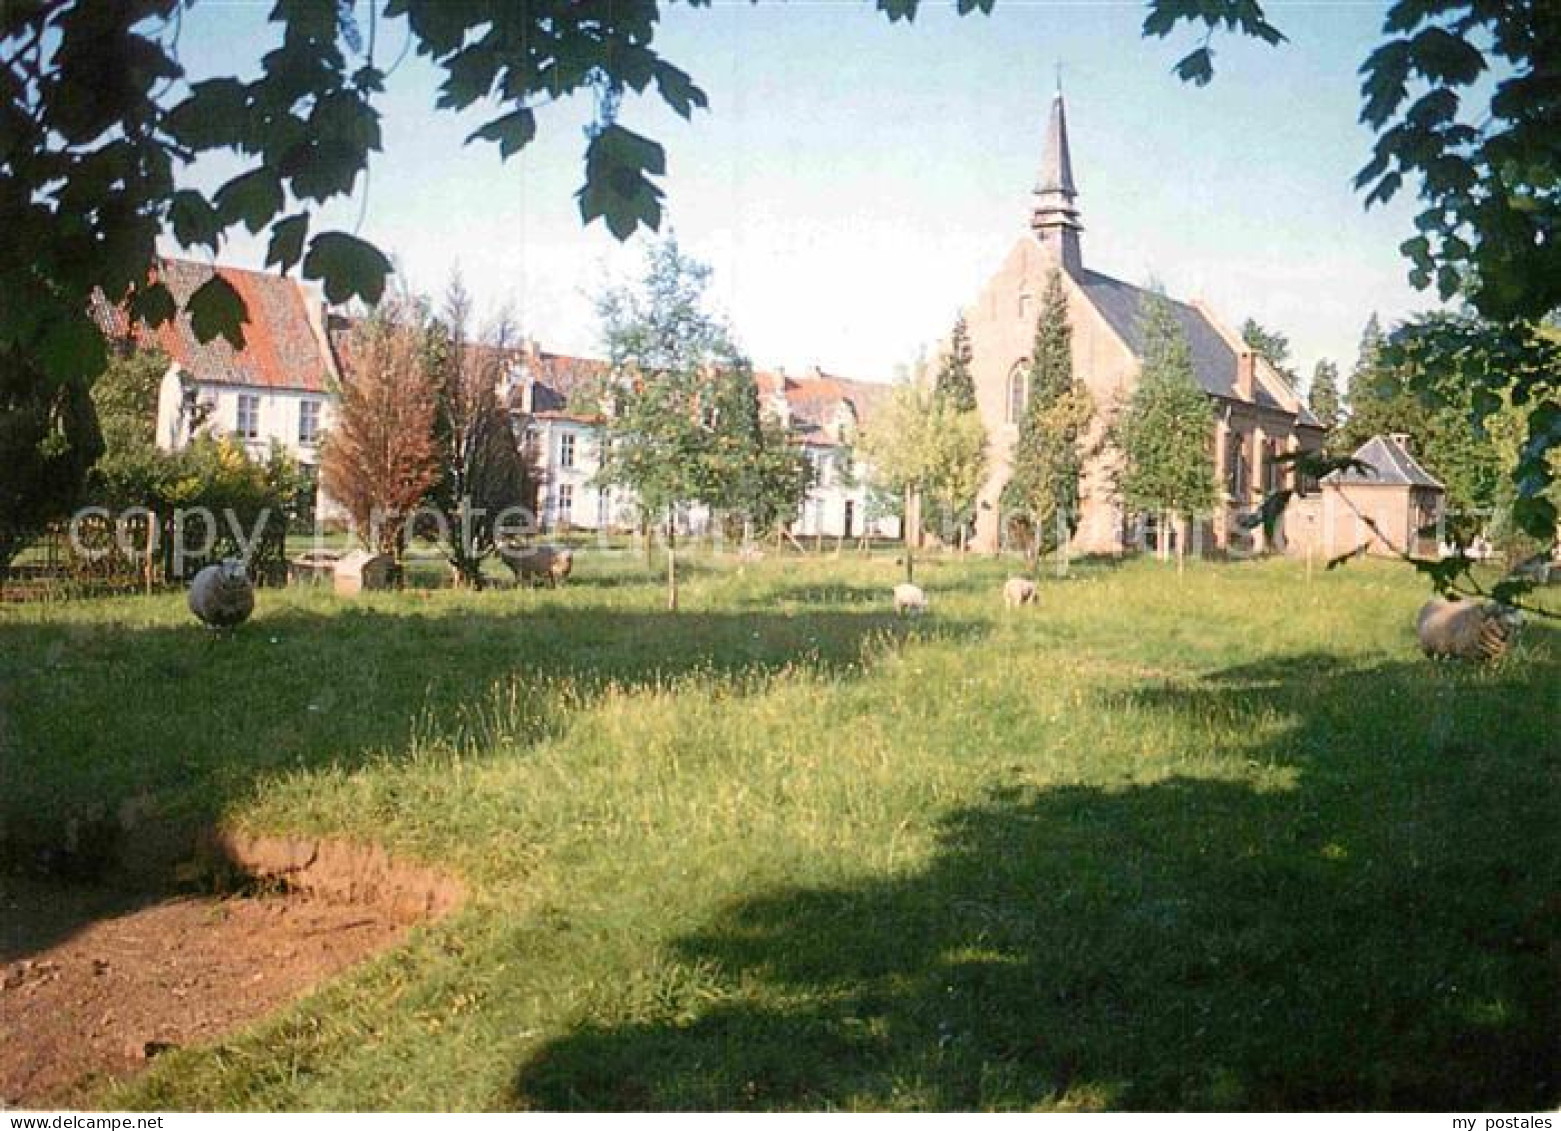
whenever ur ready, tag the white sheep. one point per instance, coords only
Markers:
(909, 598)
(221, 595)
(1466, 630)
(1018, 591)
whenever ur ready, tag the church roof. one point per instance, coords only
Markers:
(1213, 359)
(1390, 465)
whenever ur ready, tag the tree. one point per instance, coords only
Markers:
(961, 446)
(482, 472)
(1392, 393)
(1041, 497)
(954, 383)
(1322, 397)
(132, 471)
(1438, 373)
(897, 446)
(1163, 432)
(956, 465)
(1271, 345)
(49, 439)
(664, 348)
(1366, 381)
(754, 473)
(687, 424)
(920, 446)
(380, 459)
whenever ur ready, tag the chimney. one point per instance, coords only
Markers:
(527, 383)
(1246, 375)
(1400, 438)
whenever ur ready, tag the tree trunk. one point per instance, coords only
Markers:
(672, 579)
(906, 536)
(151, 545)
(1181, 550)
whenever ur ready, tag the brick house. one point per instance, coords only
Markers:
(1389, 508)
(1257, 414)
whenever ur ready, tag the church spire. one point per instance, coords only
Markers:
(1055, 217)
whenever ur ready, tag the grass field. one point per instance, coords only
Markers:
(1218, 841)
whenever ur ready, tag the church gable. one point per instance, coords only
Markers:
(1122, 306)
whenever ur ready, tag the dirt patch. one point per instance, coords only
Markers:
(95, 981)
(92, 989)
(336, 870)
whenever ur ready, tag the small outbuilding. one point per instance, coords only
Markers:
(362, 570)
(1389, 507)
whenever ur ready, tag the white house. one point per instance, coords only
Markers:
(549, 397)
(278, 389)
(827, 414)
(281, 388)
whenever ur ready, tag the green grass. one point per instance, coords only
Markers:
(1224, 841)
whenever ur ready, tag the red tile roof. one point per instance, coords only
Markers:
(282, 349)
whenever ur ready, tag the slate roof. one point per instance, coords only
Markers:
(1391, 466)
(1213, 359)
(281, 347)
(561, 380)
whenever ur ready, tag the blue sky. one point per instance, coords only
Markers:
(854, 182)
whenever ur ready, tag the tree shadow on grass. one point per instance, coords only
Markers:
(119, 743)
(1382, 932)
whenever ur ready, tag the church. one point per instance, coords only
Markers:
(1257, 414)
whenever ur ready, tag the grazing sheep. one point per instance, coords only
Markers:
(1018, 591)
(1466, 630)
(551, 564)
(221, 595)
(909, 599)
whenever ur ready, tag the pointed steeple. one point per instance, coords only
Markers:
(1055, 218)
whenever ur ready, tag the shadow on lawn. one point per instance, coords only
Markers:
(185, 723)
(1385, 934)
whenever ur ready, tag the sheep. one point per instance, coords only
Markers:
(1466, 630)
(221, 595)
(1018, 591)
(909, 598)
(551, 564)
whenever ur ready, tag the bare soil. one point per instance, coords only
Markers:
(95, 982)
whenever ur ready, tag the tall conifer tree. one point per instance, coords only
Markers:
(1041, 498)
(954, 384)
(1164, 431)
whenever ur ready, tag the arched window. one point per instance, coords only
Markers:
(1018, 392)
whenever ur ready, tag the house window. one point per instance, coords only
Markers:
(1018, 393)
(1273, 470)
(248, 416)
(566, 450)
(566, 504)
(1025, 305)
(1236, 466)
(308, 423)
